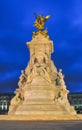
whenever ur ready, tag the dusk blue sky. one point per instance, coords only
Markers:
(64, 28)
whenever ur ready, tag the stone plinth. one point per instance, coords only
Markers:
(41, 117)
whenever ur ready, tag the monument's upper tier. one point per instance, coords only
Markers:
(40, 43)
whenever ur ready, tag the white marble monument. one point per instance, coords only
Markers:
(42, 90)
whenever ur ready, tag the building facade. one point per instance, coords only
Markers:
(75, 100)
(5, 102)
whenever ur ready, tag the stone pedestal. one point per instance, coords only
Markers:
(42, 90)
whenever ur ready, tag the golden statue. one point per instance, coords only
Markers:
(40, 21)
(39, 24)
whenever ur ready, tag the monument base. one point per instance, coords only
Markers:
(43, 110)
(39, 100)
(41, 117)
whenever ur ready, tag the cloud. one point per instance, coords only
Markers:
(76, 18)
(8, 86)
(76, 67)
(74, 86)
(78, 22)
(9, 75)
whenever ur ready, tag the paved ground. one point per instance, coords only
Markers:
(40, 125)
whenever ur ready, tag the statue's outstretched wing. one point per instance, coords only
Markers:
(47, 17)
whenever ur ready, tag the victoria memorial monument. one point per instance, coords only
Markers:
(42, 90)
